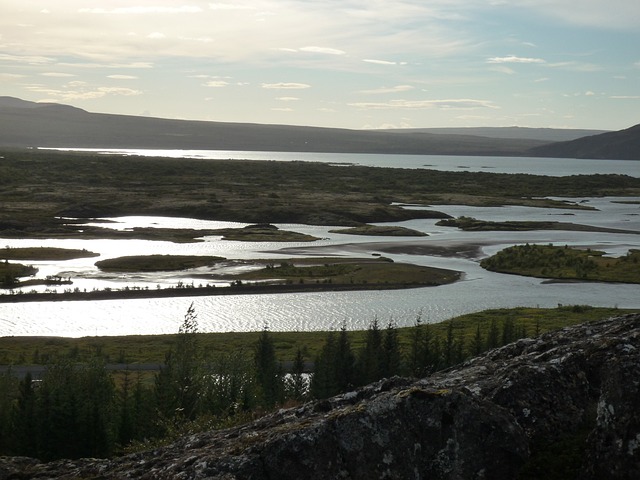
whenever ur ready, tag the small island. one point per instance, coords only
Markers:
(381, 231)
(44, 253)
(288, 276)
(10, 273)
(156, 263)
(565, 263)
(470, 224)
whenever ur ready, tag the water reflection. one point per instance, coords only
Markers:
(478, 290)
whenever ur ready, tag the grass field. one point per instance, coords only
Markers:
(152, 348)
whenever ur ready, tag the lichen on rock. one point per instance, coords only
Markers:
(490, 418)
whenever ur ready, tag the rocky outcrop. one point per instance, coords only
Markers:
(494, 417)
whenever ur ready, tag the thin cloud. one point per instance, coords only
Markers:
(57, 74)
(323, 50)
(141, 65)
(378, 62)
(229, 6)
(142, 10)
(576, 66)
(10, 76)
(514, 59)
(461, 103)
(216, 84)
(76, 92)
(287, 99)
(122, 77)
(396, 89)
(503, 69)
(28, 59)
(282, 109)
(286, 86)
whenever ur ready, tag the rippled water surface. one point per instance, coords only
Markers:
(478, 289)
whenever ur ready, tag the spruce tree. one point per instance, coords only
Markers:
(476, 346)
(297, 384)
(391, 357)
(493, 336)
(270, 388)
(416, 366)
(178, 385)
(344, 365)
(449, 354)
(8, 392)
(323, 381)
(370, 358)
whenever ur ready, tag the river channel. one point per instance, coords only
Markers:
(444, 247)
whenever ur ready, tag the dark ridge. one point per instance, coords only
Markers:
(620, 145)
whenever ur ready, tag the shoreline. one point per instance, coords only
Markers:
(207, 291)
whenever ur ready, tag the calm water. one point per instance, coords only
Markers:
(478, 290)
(537, 166)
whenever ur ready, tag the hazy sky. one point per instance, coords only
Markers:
(341, 63)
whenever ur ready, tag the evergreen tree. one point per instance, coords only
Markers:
(127, 422)
(370, 358)
(344, 365)
(449, 354)
(391, 357)
(230, 385)
(416, 365)
(96, 409)
(508, 331)
(58, 414)
(187, 371)
(270, 388)
(8, 393)
(476, 346)
(297, 384)
(335, 369)
(74, 411)
(178, 384)
(323, 381)
(436, 354)
(493, 336)
(429, 352)
(24, 418)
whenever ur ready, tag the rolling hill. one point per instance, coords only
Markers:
(621, 145)
(30, 124)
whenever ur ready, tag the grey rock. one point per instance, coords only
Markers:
(484, 419)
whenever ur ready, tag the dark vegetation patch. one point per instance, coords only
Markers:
(263, 233)
(38, 188)
(376, 230)
(354, 272)
(156, 263)
(471, 224)
(548, 261)
(44, 253)
(10, 272)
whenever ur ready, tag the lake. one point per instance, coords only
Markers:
(478, 289)
(453, 163)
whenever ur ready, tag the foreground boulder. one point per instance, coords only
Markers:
(499, 416)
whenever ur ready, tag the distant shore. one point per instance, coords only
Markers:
(243, 289)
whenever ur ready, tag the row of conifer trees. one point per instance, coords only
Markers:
(82, 410)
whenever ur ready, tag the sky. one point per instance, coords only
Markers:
(332, 63)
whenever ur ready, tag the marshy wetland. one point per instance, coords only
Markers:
(263, 224)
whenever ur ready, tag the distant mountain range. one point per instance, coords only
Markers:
(31, 124)
(621, 145)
